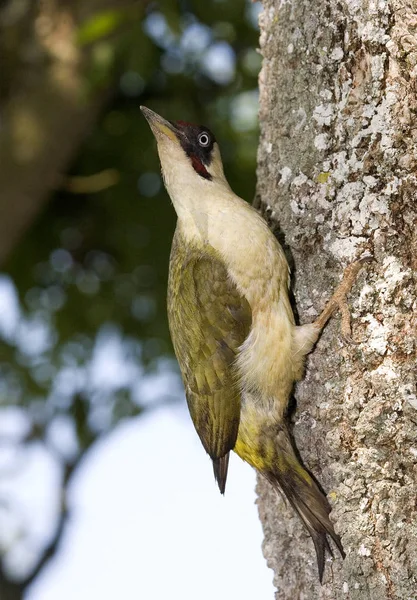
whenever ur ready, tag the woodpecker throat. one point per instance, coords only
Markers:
(232, 325)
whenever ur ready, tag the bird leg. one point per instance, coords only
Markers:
(338, 300)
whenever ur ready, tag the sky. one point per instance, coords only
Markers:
(145, 513)
(147, 519)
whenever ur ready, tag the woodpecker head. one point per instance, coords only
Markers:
(190, 157)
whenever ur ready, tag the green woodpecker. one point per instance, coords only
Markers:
(232, 325)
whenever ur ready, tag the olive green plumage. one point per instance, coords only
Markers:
(209, 321)
(232, 326)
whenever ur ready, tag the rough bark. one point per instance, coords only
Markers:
(337, 171)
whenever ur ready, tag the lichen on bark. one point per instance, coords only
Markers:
(337, 173)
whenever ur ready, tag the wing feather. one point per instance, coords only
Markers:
(209, 320)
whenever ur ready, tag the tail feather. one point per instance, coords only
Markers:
(306, 498)
(316, 519)
(220, 466)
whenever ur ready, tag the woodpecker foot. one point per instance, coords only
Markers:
(339, 299)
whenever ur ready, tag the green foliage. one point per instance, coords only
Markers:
(93, 267)
(100, 25)
(93, 259)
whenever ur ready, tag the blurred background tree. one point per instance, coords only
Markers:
(86, 226)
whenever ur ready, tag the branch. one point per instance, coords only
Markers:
(53, 546)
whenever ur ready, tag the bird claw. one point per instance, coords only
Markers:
(346, 329)
(338, 300)
(348, 340)
(366, 257)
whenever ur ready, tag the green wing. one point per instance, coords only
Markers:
(209, 320)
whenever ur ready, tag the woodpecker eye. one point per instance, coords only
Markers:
(204, 139)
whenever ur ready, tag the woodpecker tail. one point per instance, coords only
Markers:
(305, 497)
(220, 466)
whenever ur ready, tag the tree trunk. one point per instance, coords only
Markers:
(337, 172)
